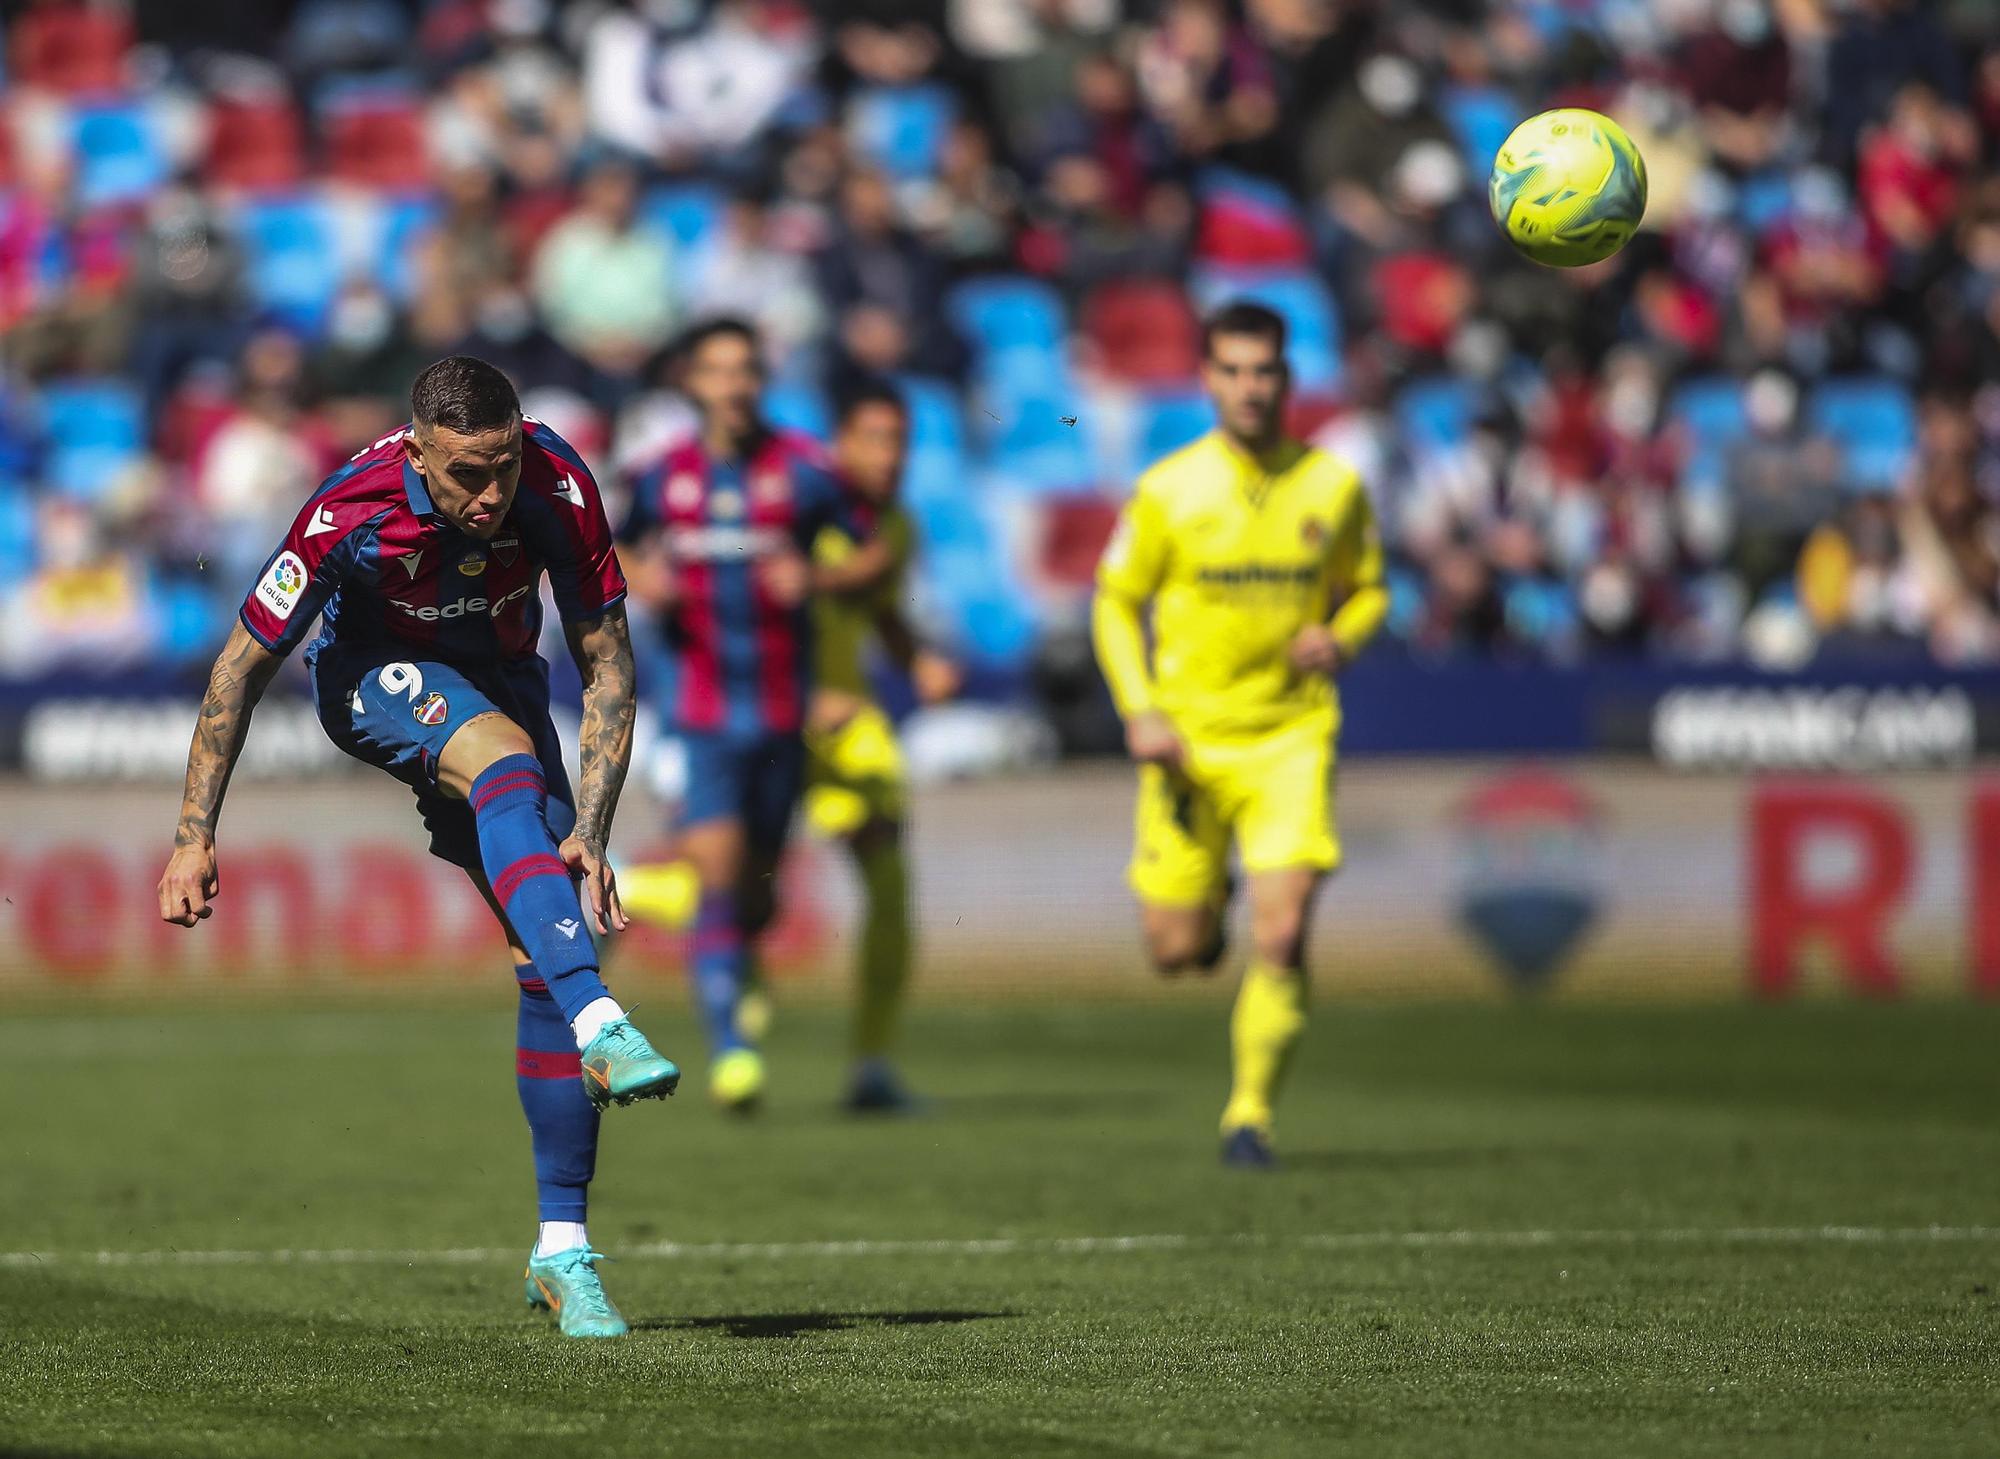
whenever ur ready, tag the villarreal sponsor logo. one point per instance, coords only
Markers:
(431, 710)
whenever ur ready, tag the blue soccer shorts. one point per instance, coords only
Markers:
(755, 779)
(397, 714)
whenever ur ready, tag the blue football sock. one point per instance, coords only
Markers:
(510, 806)
(720, 962)
(562, 1122)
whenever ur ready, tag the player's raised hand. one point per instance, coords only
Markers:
(600, 885)
(1151, 740)
(1315, 650)
(189, 885)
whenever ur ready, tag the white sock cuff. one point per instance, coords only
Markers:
(591, 1018)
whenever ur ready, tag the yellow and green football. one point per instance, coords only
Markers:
(1568, 187)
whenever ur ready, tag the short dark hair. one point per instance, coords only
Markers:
(867, 391)
(461, 393)
(1243, 316)
(718, 327)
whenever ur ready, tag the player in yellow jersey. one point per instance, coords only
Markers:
(854, 791)
(1259, 560)
(854, 785)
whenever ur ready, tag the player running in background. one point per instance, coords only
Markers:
(721, 535)
(422, 559)
(1259, 559)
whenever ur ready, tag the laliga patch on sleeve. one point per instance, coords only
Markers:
(279, 588)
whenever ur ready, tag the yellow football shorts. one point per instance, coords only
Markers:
(854, 774)
(1273, 795)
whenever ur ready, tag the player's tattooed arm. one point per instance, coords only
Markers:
(602, 648)
(243, 671)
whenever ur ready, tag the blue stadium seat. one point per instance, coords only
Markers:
(1711, 415)
(17, 531)
(1308, 309)
(1539, 610)
(1000, 314)
(118, 157)
(402, 222)
(1435, 413)
(1169, 422)
(690, 211)
(1481, 117)
(190, 620)
(902, 128)
(1039, 441)
(93, 428)
(798, 405)
(1762, 199)
(937, 420)
(294, 267)
(1875, 421)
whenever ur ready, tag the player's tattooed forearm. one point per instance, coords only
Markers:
(610, 704)
(238, 680)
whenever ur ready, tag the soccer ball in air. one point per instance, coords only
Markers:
(1568, 187)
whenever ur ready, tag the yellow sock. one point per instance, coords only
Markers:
(1270, 1014)
(662, 894)
(884, 958)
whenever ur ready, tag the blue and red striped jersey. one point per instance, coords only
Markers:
(742, 660)
(372, 558)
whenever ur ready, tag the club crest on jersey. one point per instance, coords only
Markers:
(683, 491)
(507, 549)
(472, 567)
(431, 710)
(1312, 531)
(728, 504)
(280, 587)
(770, 487)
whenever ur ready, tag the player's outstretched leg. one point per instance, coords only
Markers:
(509, 803)
(882, 968)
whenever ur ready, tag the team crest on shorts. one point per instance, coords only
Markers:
(431, 710)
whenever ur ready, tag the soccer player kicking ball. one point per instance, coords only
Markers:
(721, 531)
(1259, 558)
(422, 557)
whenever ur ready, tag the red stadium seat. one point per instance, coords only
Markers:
(377, 145)
(255, 143)
(1075, 531)
(1143, 331)
(71, 48)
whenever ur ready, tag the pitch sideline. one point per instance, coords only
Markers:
(1036, 1245)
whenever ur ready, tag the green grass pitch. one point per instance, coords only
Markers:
(1502, 1231)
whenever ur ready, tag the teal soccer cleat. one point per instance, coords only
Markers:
(620, 1066)
(567, 1284)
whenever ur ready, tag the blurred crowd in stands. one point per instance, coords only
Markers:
(230, 234)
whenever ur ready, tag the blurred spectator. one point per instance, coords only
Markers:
(746, 275)
(265, 457)
(604, 280)
(1211, 88)
(86, 601)
(883, 287)
(1782, 479)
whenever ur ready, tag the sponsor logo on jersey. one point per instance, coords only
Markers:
(410, 562)
(566, 484)
(472, 567)
(432, 613)
(723, 544)
(322, 522)
(431, 710)
(684, 491)
(280, 587)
